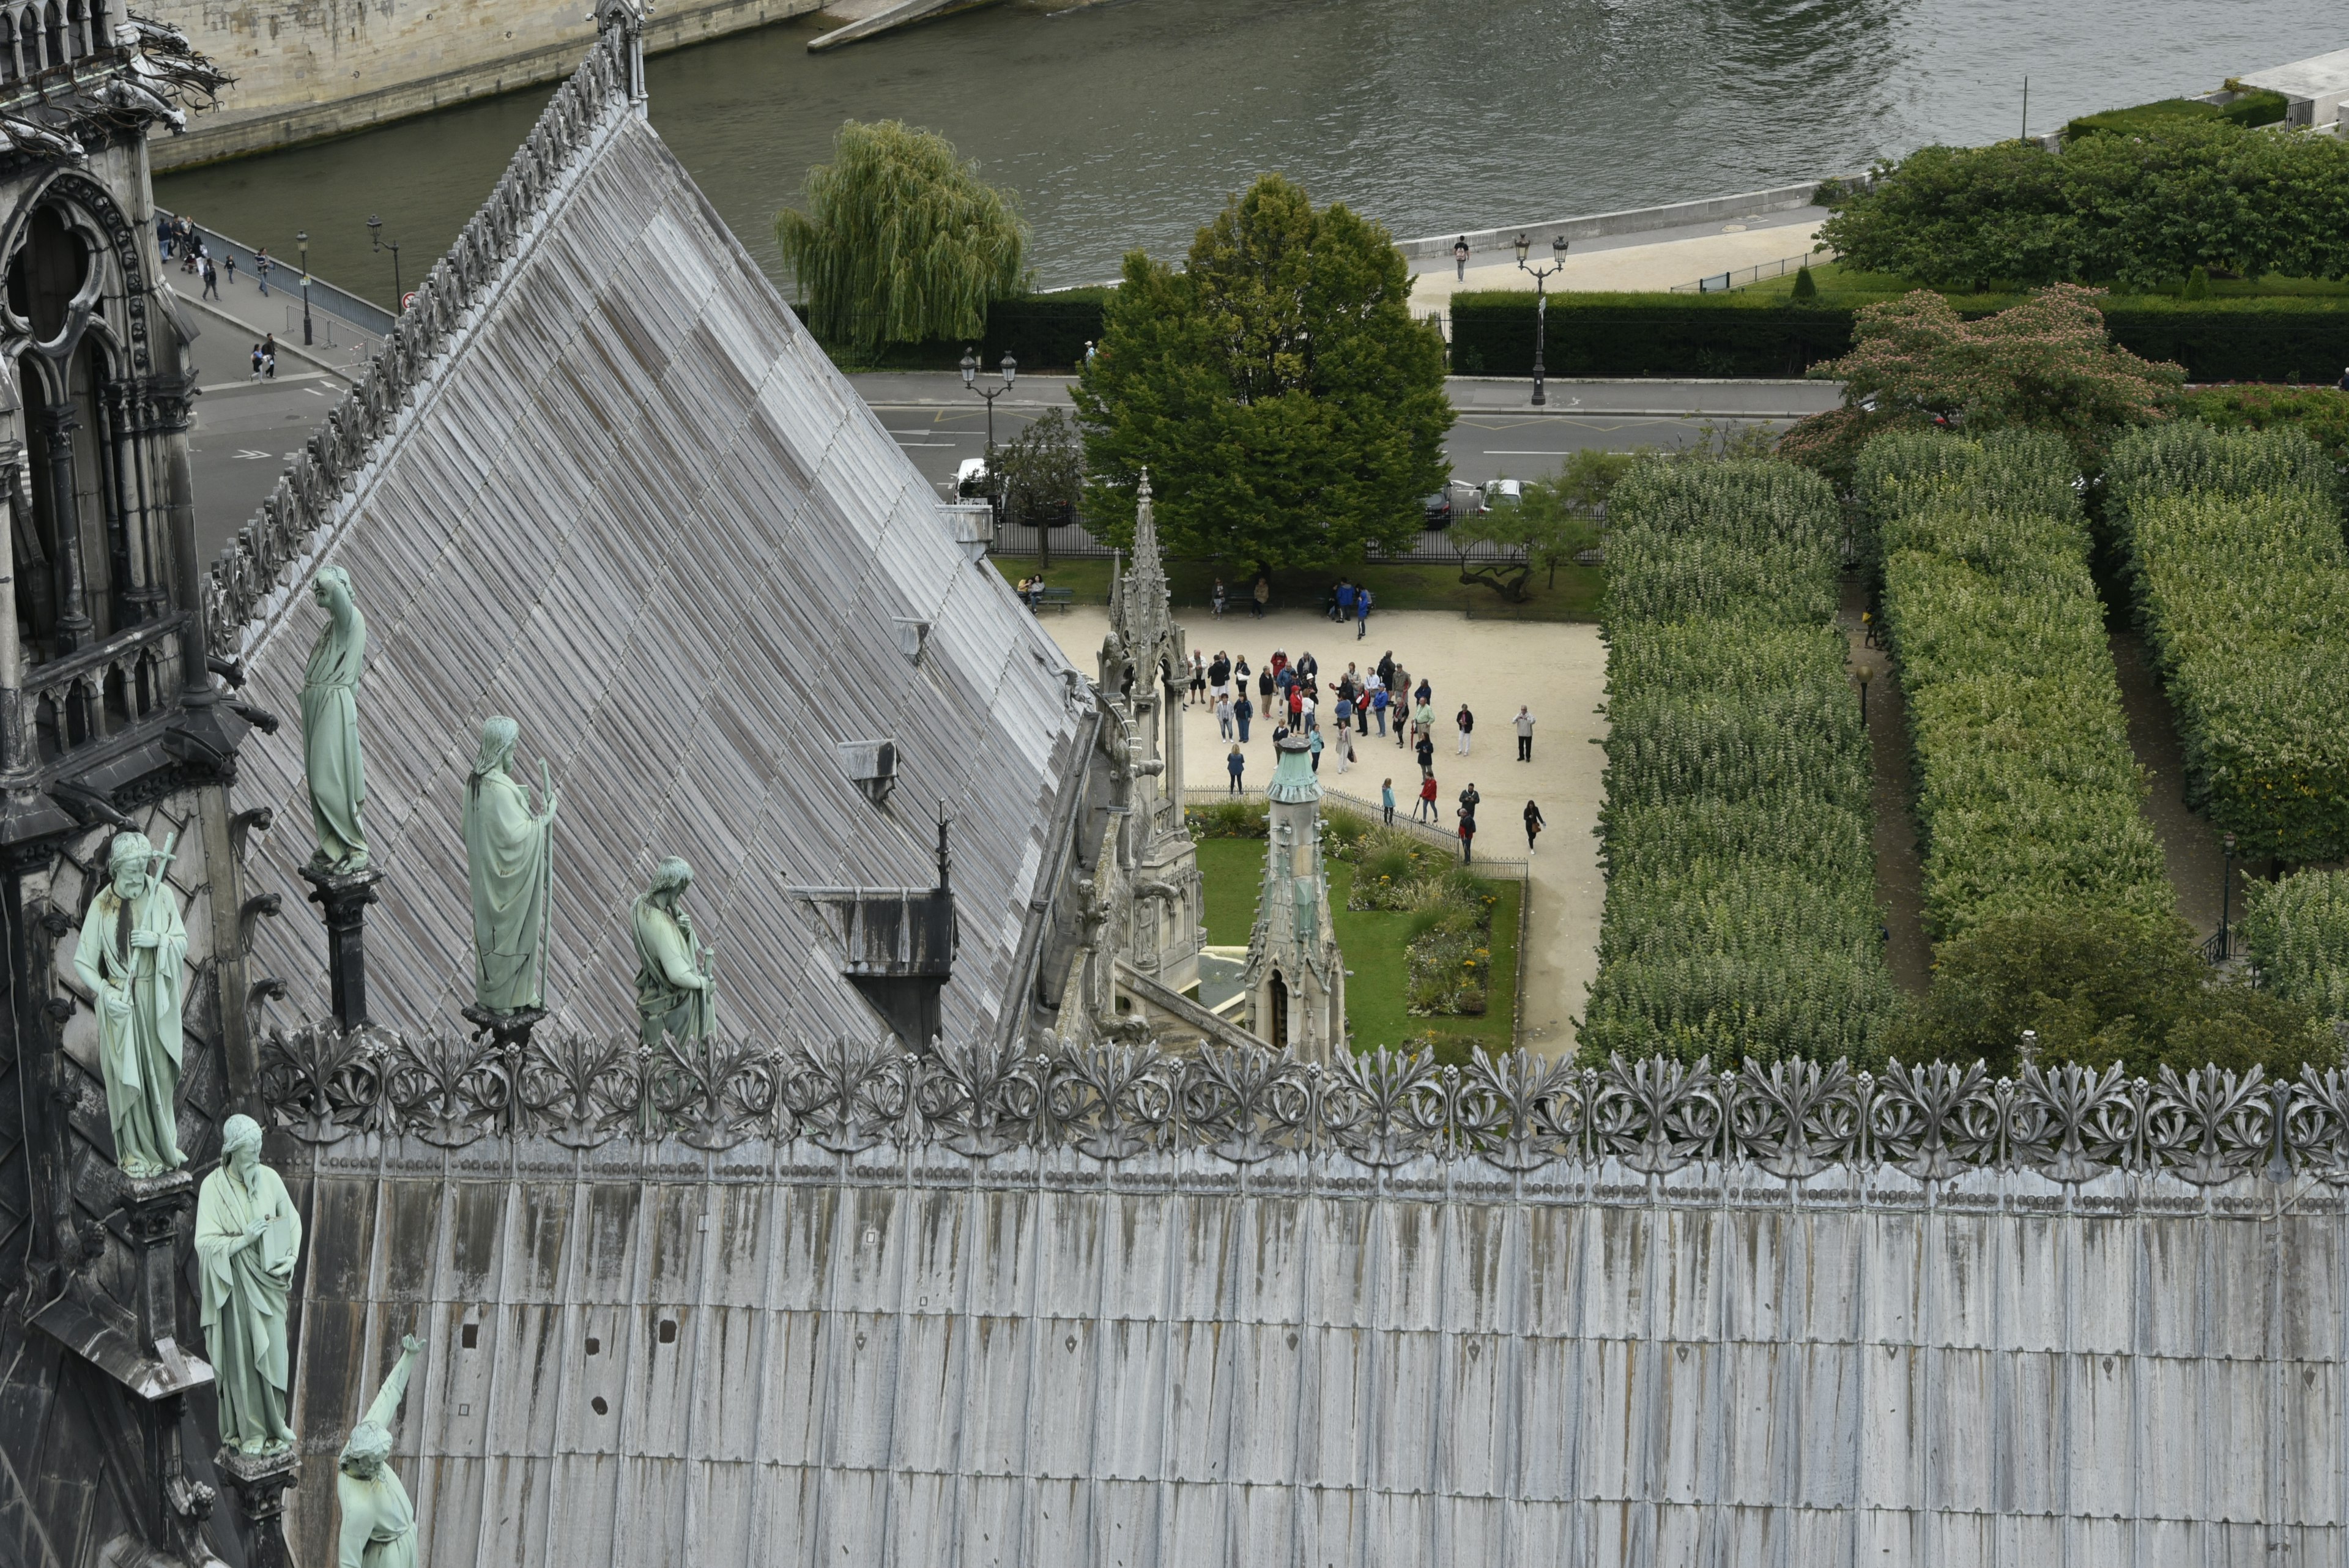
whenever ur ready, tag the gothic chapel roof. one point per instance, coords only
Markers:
(630, 503)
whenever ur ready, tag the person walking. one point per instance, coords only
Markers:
(1469, 799)
(261, 268)
(1386, 801)
(1313, 742)
(1235, 764)
(1467, 722)
(1198, 678)
(211, 280)
(256, 361)
(1467, 836)
(163, 235)
(1361, 614)
(1224, 717)
(1425, 809)
(1262, 595)
(1387, 669)
(1524, 734)
(1215, 599)
(232, 269)
(269, 356)
(1345, 750)
(1426, 751)
(1345, 601)
(1242, 712)
(1534, 824)
(1460, 259)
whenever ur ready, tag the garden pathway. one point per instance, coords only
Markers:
(1559, 670)
(2189, 845)
(1900, 863)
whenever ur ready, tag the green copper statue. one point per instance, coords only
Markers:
(247, 1237)
(509, 856)
(379, 1527)
(330, 727)
(675, 994)
(132, 954)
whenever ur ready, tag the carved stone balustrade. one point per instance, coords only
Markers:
(80, 699)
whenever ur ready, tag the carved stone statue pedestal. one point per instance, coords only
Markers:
(152, 1207)
(343, 897)
(260, 1482)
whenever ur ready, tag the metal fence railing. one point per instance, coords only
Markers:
(1722, 282)
(1371, 810)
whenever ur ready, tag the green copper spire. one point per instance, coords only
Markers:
(1293, 778)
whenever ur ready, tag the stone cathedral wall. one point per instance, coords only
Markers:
(309, 68)
(855, 1351)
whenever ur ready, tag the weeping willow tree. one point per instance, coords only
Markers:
(900, 243)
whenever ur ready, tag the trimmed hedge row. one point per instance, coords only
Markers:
(1044, 332)
(2254, 109)
(2027, 791)
(2298, 933)
(1741, 919)
(2242, 584)
(2276, 338)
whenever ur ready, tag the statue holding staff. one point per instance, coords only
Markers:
(509, 859)
(330, 727)
(248, 1234)
(675, 992)
(379, 1528)
(132, 955)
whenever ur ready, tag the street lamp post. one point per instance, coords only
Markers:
(1541, 301)
(375, 232)
(1863, 672)
(1009, 370)
(302, 238)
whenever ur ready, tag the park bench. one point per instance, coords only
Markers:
(1055, 598)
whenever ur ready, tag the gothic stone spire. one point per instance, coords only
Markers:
(1143, 603)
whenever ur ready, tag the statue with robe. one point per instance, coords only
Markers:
(379, 1528)
(675, 991)
(509, 861)
(133, 955)
(330, 727)
(248, 1234)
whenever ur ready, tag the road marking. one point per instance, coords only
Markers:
(249, 455)
(902, 441)
(275, 380)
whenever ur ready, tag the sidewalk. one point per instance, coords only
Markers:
(1651, 263)
(241, 310)
(928, 389)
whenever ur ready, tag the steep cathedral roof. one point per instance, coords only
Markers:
(626, 499)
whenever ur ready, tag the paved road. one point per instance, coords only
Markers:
(1499, 433)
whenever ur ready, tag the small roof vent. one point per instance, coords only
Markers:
(872, 766)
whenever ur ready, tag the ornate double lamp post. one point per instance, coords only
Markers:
(1542, 275)
(1011, 371)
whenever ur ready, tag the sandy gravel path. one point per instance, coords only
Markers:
(1558, 670)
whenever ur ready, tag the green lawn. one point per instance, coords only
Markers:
(1232, 871)
(1417, 588)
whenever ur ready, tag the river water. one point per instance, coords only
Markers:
(1126, 123)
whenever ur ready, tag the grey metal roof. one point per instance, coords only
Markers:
(637, 508)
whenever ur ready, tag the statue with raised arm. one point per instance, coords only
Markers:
(132, 955)
(509, 859)
(378, 1529)
(330, 727)
(675, 994)
(248, 1234)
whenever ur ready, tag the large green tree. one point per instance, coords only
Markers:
(1288, 408)
(900, 241)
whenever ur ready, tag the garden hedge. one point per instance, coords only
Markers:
(1741, 919)
(1043, 332)
(2242, 586)
(2026, 790)
(2282, 338)
(2297, 931)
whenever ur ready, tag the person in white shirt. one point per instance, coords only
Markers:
(1525, 736)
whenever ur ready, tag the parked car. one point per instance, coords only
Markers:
(1435, 512)
(1502, 492)
(970, 480)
